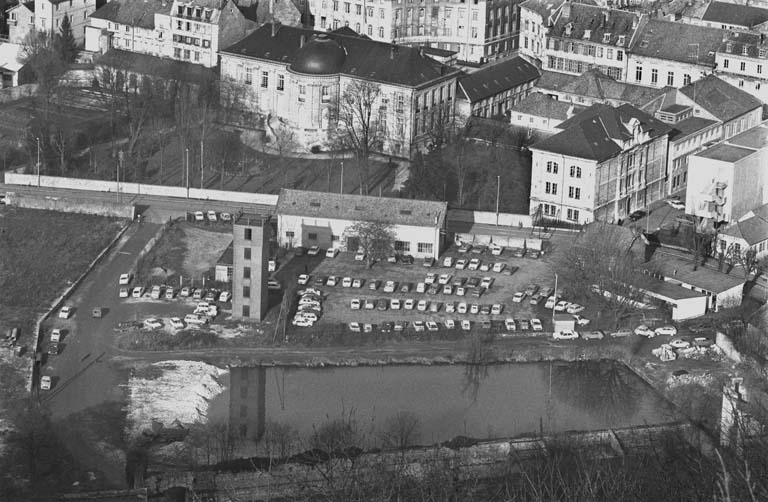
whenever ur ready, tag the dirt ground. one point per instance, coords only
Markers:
(203, 249)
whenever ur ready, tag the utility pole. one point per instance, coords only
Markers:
(341, 182)
(201, 165)
(186, 163)
(119, 164)
(498, 193)
(556, 298)
(38, 162)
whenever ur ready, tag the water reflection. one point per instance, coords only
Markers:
(428, 404)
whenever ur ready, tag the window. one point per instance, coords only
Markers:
(726, 63)
(177, 52)
(357, 27)
(358, 9)
(619, 57)
(335, 6)
(312, 236)
(654, 76)
(381, 32)
(246, 253)
(552, 167)
(759, 68)
(575, 172)
(265, 79)
(281, 82)
(246, 291)
(573, 214)
(302, 93)
(402, 246)
(424, 247)
(743, 66)
(186, 53)
(206, 44)
(609, 53)
(246, 311)
(249, 76)
(370, 30)
(670, 78)
(638, 73)
(686, 79)
(246, 272)
(574, 192)
(550, 188)
(289, 235)
(323, 21)
(346, 7)
(247, 234)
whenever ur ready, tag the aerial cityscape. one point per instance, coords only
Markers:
(384, 250)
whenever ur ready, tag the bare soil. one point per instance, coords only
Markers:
(202, 249)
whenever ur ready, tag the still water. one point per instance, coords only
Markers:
(480, 402)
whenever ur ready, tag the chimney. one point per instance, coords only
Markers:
(275, 27)
(606, 17)
(302, 40)
(570, 112)
(566, 12)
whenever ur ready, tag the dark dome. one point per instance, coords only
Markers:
(319, 56)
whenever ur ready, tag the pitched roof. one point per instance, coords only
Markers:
(30, 6)
(720, 98)
(688, 126)
(596, 84)
(364, 58)
(680, 268)
(541, 105)
(588, 17)
(753, 229)
(497, 78)
(11, 56)
(692, 44)
(737, 41)
(144, 64)
(596, 132)
(361, 208)
(542, 7)
(735, 14)
(139, 13)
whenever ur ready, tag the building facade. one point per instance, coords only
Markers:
(477, 31)
(49, 15)
(323, 219)
(21, 21)
(494, 89)
(539, 113)
(742, 61)
(302, 76)
(604, 164)
(250, 248)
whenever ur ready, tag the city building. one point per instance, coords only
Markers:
(539, 113)
(604, 164)
(13, 71)
(477, 31)
(49, 15)
(301, 76)
(684, 303)
(665, 53)
(534, 24)
(749, 232)
(322, 219)
(742, 61)
(250, 247)
(21, 21)
(689, 135)
(595, 87)
(493, 89)
(734, 16)
(582, 37)
(191, 31)
(730, 178)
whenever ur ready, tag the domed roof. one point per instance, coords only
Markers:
(319, 56)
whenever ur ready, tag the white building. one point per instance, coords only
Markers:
(534, 24)
(49, 15)
(493, 89)
(606, 163)
(299, 75)
(541, 113)
(322, 219)
(477, 31)
(742, 61)
(749, 232)
(21, 20)
(733, 16)
(595, 87)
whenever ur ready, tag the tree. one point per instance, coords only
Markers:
(41, 54)
(359, 126)
(283, 140)
(426, 180)
(280, 439)
(375, 238)
(401, 430)
(68, 45)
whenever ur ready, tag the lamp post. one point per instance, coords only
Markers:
(119, 165)
(38, 161)
(186, 163)
(498, 193)
(201, 164)
(556, 298)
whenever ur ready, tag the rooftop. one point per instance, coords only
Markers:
(336, 206)
(735, 14)
(497, 78)
(756, 138)
(542, 7)
(597, 85)
(362, 57)
(753, 228)
(11, 56)
(720, 98)
(672, 291)
(144, 64)
(692, 44)
(691, 125)
(541, 105)
(139, 13)
(680, 268)
(251, 219)
(228, 256)
(738, 40)
(725, 152)
(597, 24)
(597, 132)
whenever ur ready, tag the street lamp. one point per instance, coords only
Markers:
(38, 161)
(186, 151)
(498, 193)
(119, 164)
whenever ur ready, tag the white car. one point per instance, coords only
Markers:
(461, 291)
(592, 335)
(418, 325)
(357, 283)
(199, 216)
(177, 323)
(310, 291)
(45, 382)
(496, 309)
(195, 319)
(169, 293)
(565, 334)
(432, 326)
(466, 325)
(354, 326)
(450, 324)
(302, 322)
(518, 298)
(125, 279)
(431, 278)
(536, 325)
(510, 324)
(679, 344)
(461, 264)
(496, 250)
(306, 315)
(313, 251)
(581, 321)
(485, 267)
(450, 307)
(499, 267)
(666, 330)
(551, 302)
(574, 308)
(444, 279)
(644, 330)
(212, 216)
(462, 308)
(409, 304)
(448, 261)
(421, 287)
(389, 286)
(370, 304)
(486, 282)
(156, 292)
(331, 252)
(304, 279)
(332, 280)
(124, 293)
(395, 304)
(225, 296)
(153, 323)
(447, 289)
(561, 306)
(422, 305)
(65, 312)
(474, 308)
(676, 203)
(346, 282)
(225, 217)
(360, 256)
(474, 264)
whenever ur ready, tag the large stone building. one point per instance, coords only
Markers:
(477, 31)
(604, 164)
(742, 61)
(21, 20)
(49, 15)
(494, 89)
(302, 76)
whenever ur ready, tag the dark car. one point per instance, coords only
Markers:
(53, 348)
(320, 280)
(406, 259)
(387, 327)
(473, 282)
(636, 215)
(299, 251)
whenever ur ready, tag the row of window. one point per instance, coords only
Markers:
(196, 27)
(186, 54)
(191, 11)
(743, 66)
(584, 49)
(655, 76)
(552, 168)
(573, 66)
(191, 41)
(551, 210)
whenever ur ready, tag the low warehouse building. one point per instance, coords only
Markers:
(306, 218)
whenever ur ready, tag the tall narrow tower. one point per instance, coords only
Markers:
(249, 266)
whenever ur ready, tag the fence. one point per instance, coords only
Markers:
(489, 218)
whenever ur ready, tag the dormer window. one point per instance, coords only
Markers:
(762, 52)
(622, 40)
(587, 34)
(568, 29)
(606, 38)
(728, 47)
(181, 10)
(744, 50)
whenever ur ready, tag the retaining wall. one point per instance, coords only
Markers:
(489, 218)
(9, 94)
(72, 205)
(12, 178)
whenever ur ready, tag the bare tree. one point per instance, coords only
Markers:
(359, 127)
(42, 54)
(375, 238)
(401, 430)
(283, 139)
(280, 439)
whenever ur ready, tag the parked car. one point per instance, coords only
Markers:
(450, 324)
(176, 323)
(225, 217)
(444, 279)
(466, 325)
(406, 259)
(409, 303)
(124, 293)
(56, 335)
(428, 262)
(319, 281)
(400, 325)
(474, 309)
(395, 304)
(153, 323)
(497, 308)
(536, 324)
(676, 203)
(621, 333)
(387, 327)
(524, 325)
(535, 299)
(474, 264)
(644, 330)
(360, 256)
(478, 292)
(509, 270)
(169, 293)
(593, 335)
(486, 324)
(274, 284)
(462, 308)
(498, 267)
(485, 266)
(198, 294)
(461, 291)
(666, 331)
(346, 282)
(465, 248)
(486, 282)
(418, 325)
(354, 326)
(485, 310)
(551, 302)
(405, 287)
(421, 287)
(581, 321)
(357, 283)
(53, 348)
(314, 250)
(97, 312)
(389, 286)
(212, 216)
(450, 307)
(447, 289)
(636, 215)
(679, 343)
(433, 289)
(518, 297)
(373, 284)
(565, 334)
(430, 279)
(509, 324)
(370, 304)
(561, 306)
(461, 264)
(195, 319)
(199, 216)
(574, 308)
(332, 280)
(45, 382)
(480, 249)
(354, 304)
(303, 279)
(125, 279)
(392, 258)
(457, 282)
(65, 312)
(382, 304)
(299, 251)
(473, 282)
(422, 305)
(331, 252)
(434, 307)
(432, 326)
(531, 289)
(448, 261)
(496, 250)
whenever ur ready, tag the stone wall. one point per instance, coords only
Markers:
(72, 205)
